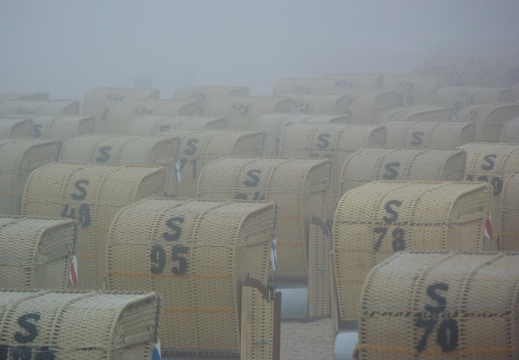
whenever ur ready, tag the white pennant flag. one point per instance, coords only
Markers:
(73, 271)
(454, 115)
(156, 352)
(456, 79)
(273, 255)
(177, 170)
(489, 232)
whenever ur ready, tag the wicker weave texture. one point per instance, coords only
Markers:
(396, 132)
(299, 187)
(20, 127)
(51, 107)
(429, 134)
(154, 125)
(259, 338)
(510, 214)
(432, 305)
(292, 86)
(19, 157)
(62, 127)
(413, 90)
(445, 71)
(124, 150)
(503, 73)
(36, 252)
(335, 142)
(366, 107)
(415, 113)
(199, 147)
(241, 112)
(489, 119)
(477, 74)
(361, 81)
(377, 219)
(120, 114)
(274, 124)
(202, 94)
(511, 131)
(98, 100)
(326, 104)
(455, 70)
(196, 254)
(78, 325)
(459, 97)
(371, 164)
(92, 194)
(328, 82)
(491, 162)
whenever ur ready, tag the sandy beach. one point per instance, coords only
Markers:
(307, 341)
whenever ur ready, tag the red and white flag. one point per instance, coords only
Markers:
(488, 232)
(73, 271)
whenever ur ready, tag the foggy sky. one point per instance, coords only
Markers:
(66, 47)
